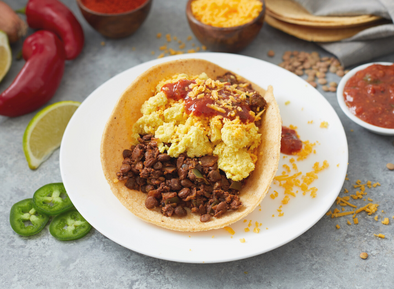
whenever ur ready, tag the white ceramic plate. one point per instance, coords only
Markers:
(344, 107)
(85, 183)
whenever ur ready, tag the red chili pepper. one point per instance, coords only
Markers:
(54, 16)
(39, 78)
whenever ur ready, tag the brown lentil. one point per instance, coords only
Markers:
(363, 255)
(390, 166)
(333, 84)
(324, 87)
(322, 81)
(340, 73)
(271, 53)
(332, 89)
(312, 83)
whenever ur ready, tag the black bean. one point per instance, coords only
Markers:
(184, 193)
(214, 176)
(147, 137)
(191, 175)
(179, 161)
(163, 157)
(208, 161)
(139, 166)
(125, 168)
(180, 211)
(131, 184)
(158, 166)
(150, 162)
(186, 183)
(151, 202)
(138, 153)
(145, 173)
(175, 184)
(221, 207)
(127, 153)
(140, 181)
(126, 161)
(205, 218)
(182, 173)
(202, 209)
(156, 174)
(149, 188)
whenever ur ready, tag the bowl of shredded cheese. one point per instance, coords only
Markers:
(225, 25)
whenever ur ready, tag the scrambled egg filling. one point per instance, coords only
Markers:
(232, 141)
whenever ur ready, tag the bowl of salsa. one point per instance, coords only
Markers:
(366, 96)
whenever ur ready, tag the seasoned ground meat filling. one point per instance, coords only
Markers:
(173, 184)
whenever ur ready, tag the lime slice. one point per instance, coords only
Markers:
(5, 55)
(45, 131)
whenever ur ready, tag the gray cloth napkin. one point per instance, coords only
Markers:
(367, 44)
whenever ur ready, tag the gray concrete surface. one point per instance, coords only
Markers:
(323, 257)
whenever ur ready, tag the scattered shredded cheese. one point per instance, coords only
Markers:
(386, 221)
(230, 230)
(324, 124)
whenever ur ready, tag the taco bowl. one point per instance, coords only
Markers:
(118, 135)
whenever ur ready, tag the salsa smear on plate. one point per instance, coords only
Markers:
(290, 143)
(369, 94)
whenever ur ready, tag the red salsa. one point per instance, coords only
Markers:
(290, 144)
(369, 94)
(207, 105)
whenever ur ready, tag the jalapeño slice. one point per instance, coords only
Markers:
(26, 220)
(52, 199)
(69, 226)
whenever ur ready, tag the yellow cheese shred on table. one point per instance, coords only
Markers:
(226, 13)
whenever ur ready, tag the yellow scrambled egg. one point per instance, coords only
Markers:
(232, 141)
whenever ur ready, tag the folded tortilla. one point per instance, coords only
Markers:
(117, 137)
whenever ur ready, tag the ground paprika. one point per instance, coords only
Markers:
(112, 6)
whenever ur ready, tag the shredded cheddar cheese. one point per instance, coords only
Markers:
(230, 230)
(242, 240)
(386, 221)
(380, 235)
(226, 13)
(324, 124)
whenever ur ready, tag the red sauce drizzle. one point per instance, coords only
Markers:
(290, 144)
(177, 90)
(198, 106)
(369, 94)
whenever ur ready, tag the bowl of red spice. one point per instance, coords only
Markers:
(115, 18)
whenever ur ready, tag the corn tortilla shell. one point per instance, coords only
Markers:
(321, 25)
(317, 34)
(117, 137)
(292, 12)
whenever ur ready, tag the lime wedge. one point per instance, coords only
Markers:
(45, 131)
(5, 55)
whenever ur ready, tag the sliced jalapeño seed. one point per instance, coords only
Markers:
(25, 220)
(52, 199)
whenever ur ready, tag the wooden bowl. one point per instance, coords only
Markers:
(227, 39)
(116, 25)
